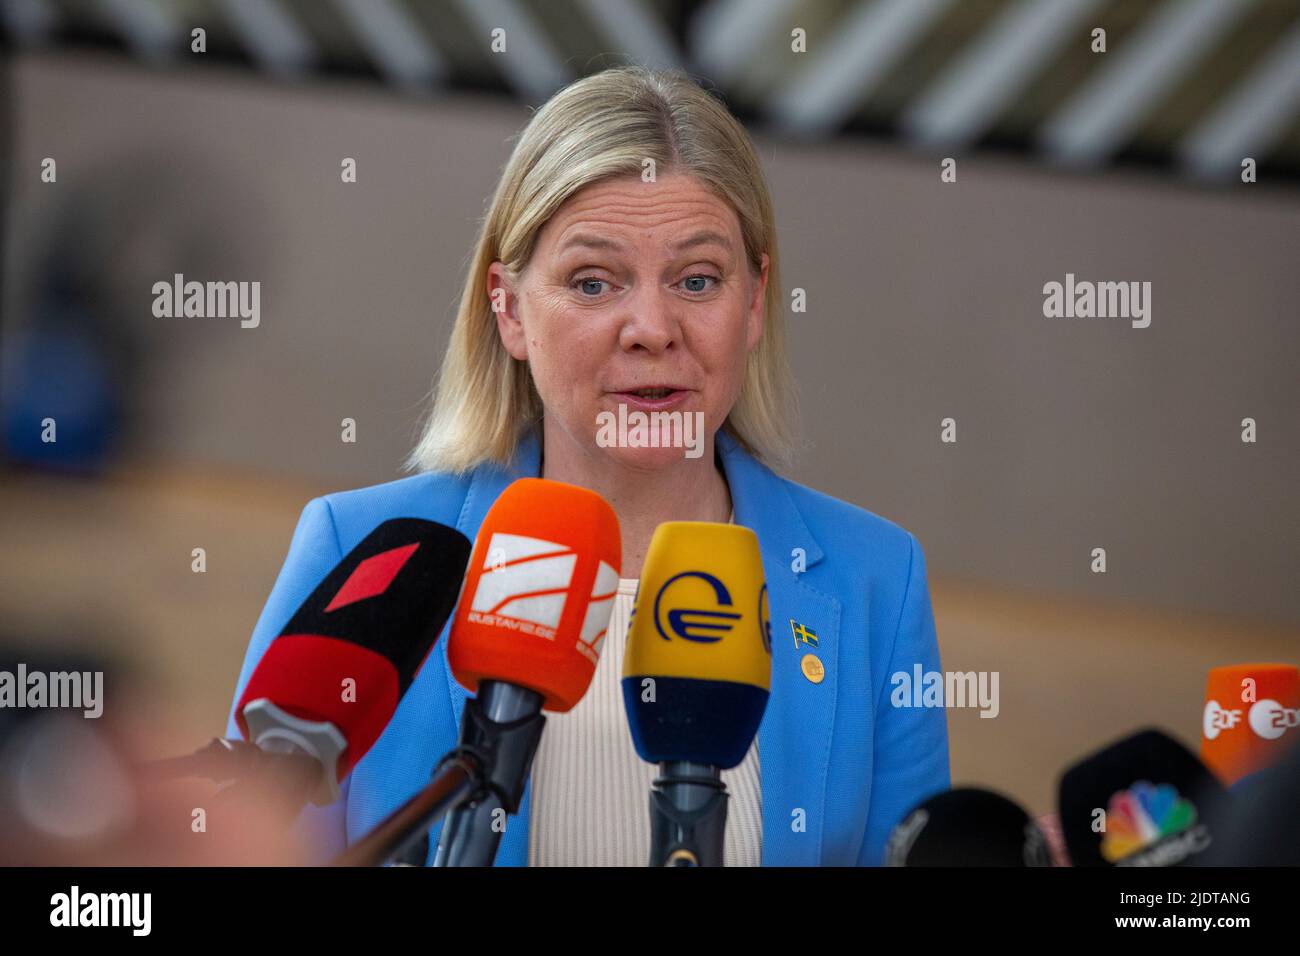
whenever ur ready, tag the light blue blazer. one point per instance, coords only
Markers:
(840, 764)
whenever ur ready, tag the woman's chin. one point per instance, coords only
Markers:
(649, 458)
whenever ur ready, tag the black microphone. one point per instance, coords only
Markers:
(1144, 800)
(1262, 827)
(967, 826)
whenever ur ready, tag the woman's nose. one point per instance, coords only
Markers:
(651, 322)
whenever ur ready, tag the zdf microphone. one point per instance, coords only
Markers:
(697, 672)
(1251, 716)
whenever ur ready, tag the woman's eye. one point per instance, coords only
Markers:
(590, 286)
(698, 278)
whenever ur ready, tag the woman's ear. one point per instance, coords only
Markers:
(757, 313)
(503, 299)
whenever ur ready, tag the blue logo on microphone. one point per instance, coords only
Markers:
(702, 625)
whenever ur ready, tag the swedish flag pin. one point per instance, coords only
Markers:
(802, 634)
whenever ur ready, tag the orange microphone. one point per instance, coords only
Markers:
(525, 638)
(538, 593)
(1251, 715)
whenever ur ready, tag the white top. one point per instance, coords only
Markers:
(590, 790)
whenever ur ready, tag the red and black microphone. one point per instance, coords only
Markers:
(328, 685)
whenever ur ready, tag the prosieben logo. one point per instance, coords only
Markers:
(75, 908)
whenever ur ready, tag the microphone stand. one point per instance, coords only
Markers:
(222, 759)
(502, 727)
(283, 778)
(484, 775)
(455, 780)
(688, 815)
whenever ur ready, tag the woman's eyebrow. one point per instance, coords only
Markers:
(590, 241)
(703, 239)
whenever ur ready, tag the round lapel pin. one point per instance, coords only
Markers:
(812, 668)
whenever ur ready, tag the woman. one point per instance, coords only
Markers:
(629, 258)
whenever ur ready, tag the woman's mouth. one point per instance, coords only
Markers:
(654, 398)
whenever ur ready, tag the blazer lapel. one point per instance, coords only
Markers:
(794, 739)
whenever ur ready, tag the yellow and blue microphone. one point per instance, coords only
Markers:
(697, 672)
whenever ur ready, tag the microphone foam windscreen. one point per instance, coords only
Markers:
(698, 665)
(1143, 801)
(1251, 715)
(372, 621)
(967, 827)
(539, 591)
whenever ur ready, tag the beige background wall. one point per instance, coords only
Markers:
(924, 302)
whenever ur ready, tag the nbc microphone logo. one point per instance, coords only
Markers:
(1151, 825)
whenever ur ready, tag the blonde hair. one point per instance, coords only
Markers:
(601, 127)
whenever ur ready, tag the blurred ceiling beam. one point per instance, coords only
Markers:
(1251, 118)
(1189, 85)
(725, 33)
(1094, 125)
(966, 99)
(150, 29)
(395, 42)
(30, 22)
(529, 63)
(273, 37)
(636, 31)
(818, 99)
